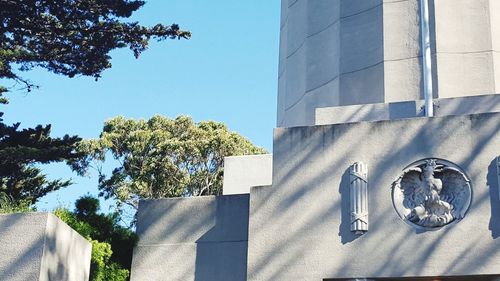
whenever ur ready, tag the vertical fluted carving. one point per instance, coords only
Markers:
(359, 197)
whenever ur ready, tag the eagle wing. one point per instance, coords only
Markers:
(456, 190)
(411, 185)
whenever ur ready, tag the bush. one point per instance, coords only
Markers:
(9, 205)
(101, 269)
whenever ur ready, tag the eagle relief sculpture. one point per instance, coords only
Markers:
(432, 193)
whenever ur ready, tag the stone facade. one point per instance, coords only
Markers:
(299, 229)
(363, 186)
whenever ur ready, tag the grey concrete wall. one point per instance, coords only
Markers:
(21, 245)
(243, 172)
(39, 246)
(328, 47)
(408, 109)
(66, 254)
(351, 52)
(198, 239)
(299, 227)
(466, 47)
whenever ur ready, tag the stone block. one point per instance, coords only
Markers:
(353, 7)
(495, 24)
(297, 115)
(198, 239)
(496, 67)
(361, 40)
(468, 74)
(363, 86)
(297, 26)
(467, 105)
(402, 80)
(462, 26)
(325, 96)
(322, 14)
(282, 51)
(39, 246)
(243, 172)
(295, 86)
(323, 57)
(401, 25)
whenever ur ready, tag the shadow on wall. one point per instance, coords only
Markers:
(221, 253)
(494, 186)
(345, 232)
(291, 238)
(18, 262)
(202, 239)
(22, 241)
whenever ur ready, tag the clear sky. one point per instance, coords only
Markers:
(227, 72)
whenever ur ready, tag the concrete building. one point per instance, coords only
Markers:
(40, 247)
(363, 184)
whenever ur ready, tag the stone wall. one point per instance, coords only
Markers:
(243, 172)
(204, 238)
(300, 227)
(39, 246)
(467, 34)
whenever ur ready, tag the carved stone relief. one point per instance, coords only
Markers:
(432, 193)
(359, 197)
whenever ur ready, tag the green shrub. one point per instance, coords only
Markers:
(9, 205)
(101, 269)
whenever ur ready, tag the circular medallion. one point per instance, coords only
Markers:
(432, 193)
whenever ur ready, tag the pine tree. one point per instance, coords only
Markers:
(67, 37)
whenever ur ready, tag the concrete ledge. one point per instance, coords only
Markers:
(410, 109)
(243, 172)
(39, 246)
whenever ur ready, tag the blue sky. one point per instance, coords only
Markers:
(227, 72)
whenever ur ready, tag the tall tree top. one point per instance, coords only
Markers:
(71, 37)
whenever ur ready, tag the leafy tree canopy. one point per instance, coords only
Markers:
(162, 157)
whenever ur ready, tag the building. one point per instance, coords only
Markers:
(364, 184)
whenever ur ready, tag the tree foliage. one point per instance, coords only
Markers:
(20, 153)
(112, 244)
(8, 205)
(71, 37)
(67, 37)
(162, 157)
